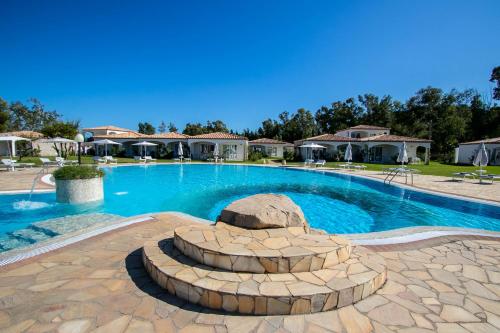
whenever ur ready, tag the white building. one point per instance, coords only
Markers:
(231, 146)
(467, 151)
(270, 147)
(369, 144)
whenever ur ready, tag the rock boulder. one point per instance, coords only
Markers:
(264, 211)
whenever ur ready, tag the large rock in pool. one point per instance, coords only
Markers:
(264, 211)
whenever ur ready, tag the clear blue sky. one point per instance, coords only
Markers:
(121, 62)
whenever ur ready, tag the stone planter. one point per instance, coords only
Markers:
(79, 190)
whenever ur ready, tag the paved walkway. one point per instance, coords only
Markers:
(21, 180)
(100, 285)
(468, 188)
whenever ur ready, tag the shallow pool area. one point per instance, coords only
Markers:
(336, 203)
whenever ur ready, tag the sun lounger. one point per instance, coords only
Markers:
(139, 159)
(359, 167)
(63, 161)
(319, 163)
(110, 160)
(460, 176)
(13, 165)
(346, 165)
(308, 162)
(187, 159)
(98, 159)
(490, 177)
(149, 159)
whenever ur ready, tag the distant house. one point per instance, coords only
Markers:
(467, 151)
(231, 146)
(46, 149)
(270, 147)
(369, 143)
(168, 142)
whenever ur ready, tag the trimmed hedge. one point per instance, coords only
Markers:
(77, 172)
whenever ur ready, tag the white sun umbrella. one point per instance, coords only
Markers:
(180, 151)
(481, 158)
(348, 153)
(311, 146)
(144, 144)
(216, 150)
(403, 154)
(11, 140)
(105, 143)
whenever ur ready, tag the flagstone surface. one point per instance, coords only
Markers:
(100, 285)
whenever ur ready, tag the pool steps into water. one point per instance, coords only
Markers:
(44, 230)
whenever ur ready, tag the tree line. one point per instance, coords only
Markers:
(446, 118)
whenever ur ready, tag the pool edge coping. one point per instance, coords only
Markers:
(383, 238)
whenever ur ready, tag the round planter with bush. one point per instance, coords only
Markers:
(79, 184)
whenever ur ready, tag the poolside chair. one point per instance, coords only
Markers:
(110, 160)
(12, 165)
(187, 159)
(319, 163)
(308, 162)
(139, 159)
(47, 163)
(98, 159)
(490, 177)
(149, 159)
(460, 176)
(359, 167)
(64, 161)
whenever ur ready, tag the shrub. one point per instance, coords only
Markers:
(255, 156)
(78, 172)
(288, 155)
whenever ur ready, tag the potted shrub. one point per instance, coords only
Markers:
(79, 184)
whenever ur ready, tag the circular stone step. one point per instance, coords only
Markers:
(264, 294)
(278, 250)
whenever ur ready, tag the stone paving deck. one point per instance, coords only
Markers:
(21, 180)
(469, 188)
(281, 250)
(100, 285)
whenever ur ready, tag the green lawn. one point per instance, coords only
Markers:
(434, 168)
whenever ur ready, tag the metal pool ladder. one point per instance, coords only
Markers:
(394, 172)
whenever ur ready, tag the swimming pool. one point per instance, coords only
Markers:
(333, 202)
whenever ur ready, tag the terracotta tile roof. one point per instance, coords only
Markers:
(492, 140)
(24, 134)
(169, 135)
(367, 127)
(330, 137)
(129, 135)
(219, 135)
(268, 141)
(109, 128)
(136, 135)
(392, 138)
(375, 138)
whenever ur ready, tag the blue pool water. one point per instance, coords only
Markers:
(335, 203)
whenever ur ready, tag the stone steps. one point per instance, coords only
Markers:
(277, 250)
(263, 293)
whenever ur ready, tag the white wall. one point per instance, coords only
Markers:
(241, 147)
(264, 146)
(466, 153)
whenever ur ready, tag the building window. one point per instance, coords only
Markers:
(230, 152)
(272, 151)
